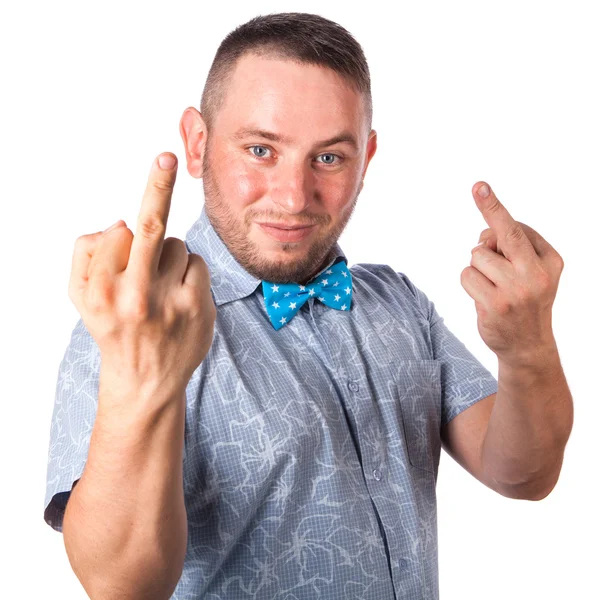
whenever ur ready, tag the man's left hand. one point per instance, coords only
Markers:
(513, 279)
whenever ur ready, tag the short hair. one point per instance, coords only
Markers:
(301, 37)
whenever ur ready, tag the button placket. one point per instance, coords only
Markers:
(312, 309)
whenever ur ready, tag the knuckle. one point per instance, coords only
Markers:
(208, 314)
(486, 233)
(176, 244)
(174, 253)
(171, 315)
(100, 296)
(135, 306)
(515, 232)
(198, 302)
(163, 185)
(197, 266)
(502, 308)
(559, 262)
(152, 226)
(82, 242)
(191, 297)
(494, 206)
(89, 239)
(199, 263)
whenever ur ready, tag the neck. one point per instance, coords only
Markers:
(323, 264)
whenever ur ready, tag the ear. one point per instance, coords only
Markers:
(371, 149)
(193, 133)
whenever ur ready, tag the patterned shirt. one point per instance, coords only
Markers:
(311, 453)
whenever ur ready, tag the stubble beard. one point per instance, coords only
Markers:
(248, 255)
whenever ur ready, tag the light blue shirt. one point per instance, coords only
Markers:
(311, 452)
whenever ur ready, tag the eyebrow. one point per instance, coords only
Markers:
(274, 137)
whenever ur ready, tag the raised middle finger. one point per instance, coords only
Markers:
(151, 226)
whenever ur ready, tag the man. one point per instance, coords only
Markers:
(279, 437)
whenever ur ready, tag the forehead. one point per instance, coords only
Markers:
(287, 97)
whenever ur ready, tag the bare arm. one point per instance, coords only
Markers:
(529, 427)
(125, 526)
(147, 303)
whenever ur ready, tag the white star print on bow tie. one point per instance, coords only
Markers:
(332, 287)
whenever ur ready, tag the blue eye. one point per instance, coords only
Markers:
(332, 155)
(263, 155)
(257, 156)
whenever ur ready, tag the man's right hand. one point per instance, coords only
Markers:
(144, 299)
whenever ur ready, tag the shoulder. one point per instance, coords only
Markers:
(380, 274)
(380, 280)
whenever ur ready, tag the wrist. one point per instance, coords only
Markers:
(125, 396)
(537, 358)
(118, 378)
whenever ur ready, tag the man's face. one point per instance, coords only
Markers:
(297, 180)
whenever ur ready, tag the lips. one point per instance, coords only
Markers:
(283, 226)
(286, 233)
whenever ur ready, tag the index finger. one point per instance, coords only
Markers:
(149, 237)
(515, 242)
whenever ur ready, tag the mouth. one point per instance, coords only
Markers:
(287, 233)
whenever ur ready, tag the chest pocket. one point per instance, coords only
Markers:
(420, 398)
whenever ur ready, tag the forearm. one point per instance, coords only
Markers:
(529, 426)
(125, 527)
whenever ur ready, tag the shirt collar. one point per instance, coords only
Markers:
(228, 279)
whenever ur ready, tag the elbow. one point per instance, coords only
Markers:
(533, 485)
(535, 490)
(149, 589)
(131, 582)
(127, 574)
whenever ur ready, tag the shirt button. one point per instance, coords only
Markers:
(377, 474)
(353, 386)
(403, 563)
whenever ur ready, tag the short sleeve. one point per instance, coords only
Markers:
(465, 380)
(75, 405)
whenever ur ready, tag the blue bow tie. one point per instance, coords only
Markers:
(332, 287)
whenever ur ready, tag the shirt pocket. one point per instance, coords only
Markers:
(420, 399)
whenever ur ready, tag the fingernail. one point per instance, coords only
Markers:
(483, 191)
(166, 161)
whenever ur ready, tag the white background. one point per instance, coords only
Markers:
(505, 92)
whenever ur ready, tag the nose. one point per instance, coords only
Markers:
(292, 187)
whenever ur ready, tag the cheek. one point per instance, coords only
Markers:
(338, 192)
(243, 185)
